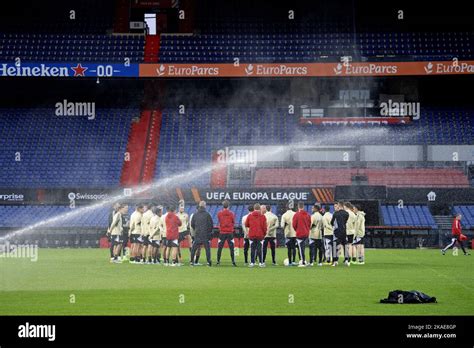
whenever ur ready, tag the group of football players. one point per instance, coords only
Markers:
(155, 237)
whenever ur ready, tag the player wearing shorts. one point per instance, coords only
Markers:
(114, 210)
(316, 247)
(286, 224)
(350, 231)
(328, 234)
(116, 229)
(172, 234)
(226, 220)
(145, 236)
(155, 233)
(183, 232)
(135, 232)
(456, 235)
(245, 231)
(359, 236)
(302, 225)
(270, 237)
(164, 242)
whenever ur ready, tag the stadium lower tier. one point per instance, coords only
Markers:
(53, 216)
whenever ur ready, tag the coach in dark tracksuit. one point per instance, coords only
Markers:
(339, 220)
(202, 225)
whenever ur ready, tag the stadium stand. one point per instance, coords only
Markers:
(409, 215)
(179, 132)
(262, 45)
(61, 151)
(436, 126)
(258, 48)
(28, 215)
(418, 45)
(399, 177)
(72, 47)
(226, 127)
(467, 212)
(423, 177)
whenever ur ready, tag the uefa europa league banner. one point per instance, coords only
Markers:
(308, 195)
(270, 195)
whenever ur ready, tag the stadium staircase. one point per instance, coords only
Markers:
(444, 227)
(443, 222)
(152, 48)
(151, 152)
(142, 148)
(132, 169)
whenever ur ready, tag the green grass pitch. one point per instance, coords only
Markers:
(101, 288)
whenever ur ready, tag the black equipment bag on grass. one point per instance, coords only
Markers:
(413, 296)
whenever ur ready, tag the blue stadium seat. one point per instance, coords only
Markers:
(188, 141)
(27, 216)
(92, 47)
(59, 151)
(266, 44)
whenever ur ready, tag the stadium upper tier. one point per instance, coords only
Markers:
(72, 47)
(247, 47)
(188, 141)
(40, 149)
(267, 47)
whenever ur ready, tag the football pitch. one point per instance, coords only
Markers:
(83, 282)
